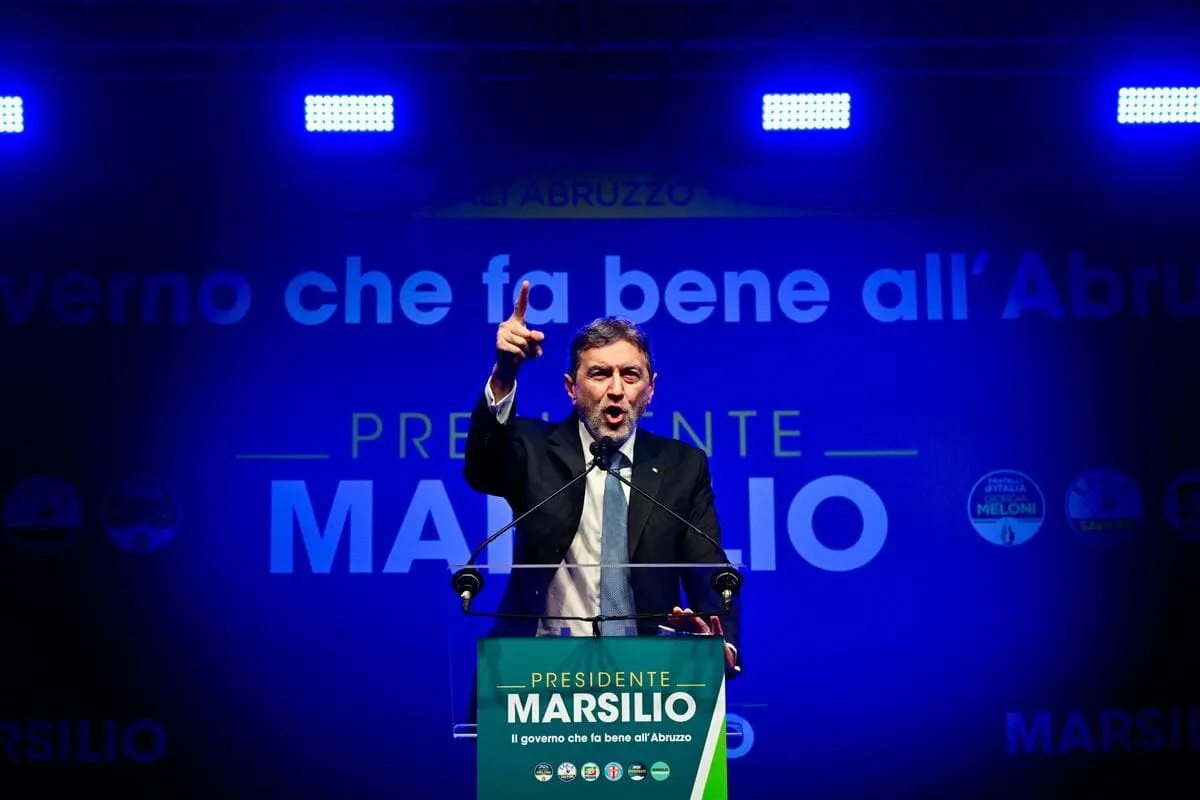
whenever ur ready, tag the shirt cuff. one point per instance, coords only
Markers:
(503, 408)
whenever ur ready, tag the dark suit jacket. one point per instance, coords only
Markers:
(526, 460)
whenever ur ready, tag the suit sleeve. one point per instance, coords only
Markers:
(695, 549)
(493, 454)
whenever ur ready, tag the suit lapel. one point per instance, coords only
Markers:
(647, 476)
(566, 446)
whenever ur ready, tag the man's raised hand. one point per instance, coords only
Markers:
(515, 344)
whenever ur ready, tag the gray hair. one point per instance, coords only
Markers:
(605, 331)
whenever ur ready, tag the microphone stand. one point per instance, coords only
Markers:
(468, 581)
(727, 581)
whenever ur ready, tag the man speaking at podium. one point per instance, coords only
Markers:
(610, 381)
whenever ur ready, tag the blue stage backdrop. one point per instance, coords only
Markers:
(954, 440)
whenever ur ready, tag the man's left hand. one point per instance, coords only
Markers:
(686, 619)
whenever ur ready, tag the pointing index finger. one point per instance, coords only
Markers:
(522, 303)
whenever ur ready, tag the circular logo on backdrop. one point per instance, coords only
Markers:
(590, 771)
(1104, 506)
(660, 771)
(543, 772)
(566, 772)
(637, 771)
(613, 771)
(140, 514)
(1006, 507)
(1182, 504)
(43, 516)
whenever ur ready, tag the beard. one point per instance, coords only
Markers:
(600, 420)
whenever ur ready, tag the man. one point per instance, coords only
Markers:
(610, 381)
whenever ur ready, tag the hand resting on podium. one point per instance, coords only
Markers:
(687, 622)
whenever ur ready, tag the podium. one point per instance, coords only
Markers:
(586, 706)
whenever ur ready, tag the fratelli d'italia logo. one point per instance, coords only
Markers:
(1006, 507)
(1104, 506)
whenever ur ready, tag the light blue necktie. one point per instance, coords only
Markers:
(616, 595)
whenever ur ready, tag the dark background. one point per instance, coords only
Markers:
(168, 137)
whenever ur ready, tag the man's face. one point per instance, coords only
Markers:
(611, 389)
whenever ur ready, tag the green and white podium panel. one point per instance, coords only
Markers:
(589, 716)
(563, 713)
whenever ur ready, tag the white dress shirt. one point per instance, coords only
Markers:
(575, 592)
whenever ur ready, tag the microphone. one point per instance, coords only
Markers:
(603, 450)
(468, 581)
(726, 581)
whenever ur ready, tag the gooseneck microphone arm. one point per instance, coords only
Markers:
(726, 581)
(468, 581)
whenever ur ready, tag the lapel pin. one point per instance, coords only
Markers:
(654, 470)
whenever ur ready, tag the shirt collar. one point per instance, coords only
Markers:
(626, 448)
